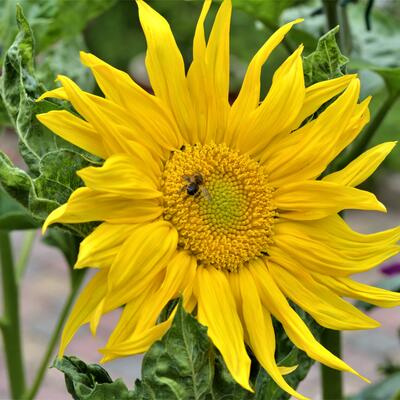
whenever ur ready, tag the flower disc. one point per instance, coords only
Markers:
(229, 219)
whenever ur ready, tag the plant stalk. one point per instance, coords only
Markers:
(331, 13)
(10, 327)
(25, 253)
(44, 364)
(332, 381)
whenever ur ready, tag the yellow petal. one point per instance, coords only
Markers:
(307, 152)
(131, 314)
(326, 307)
(151, 115)
(179, 273)
(87, 205)
(141, 259)
(208, 76)
(360, 291)
(75, 130)
(295, 328)
(149, 248)
(320, 93)
(279, 109)
(120, 176)
(139, 344)
(58, 93)
(166, 68)
(362, 167)
(261, 332)
(317, 199)
(101, 246)
(85, 305)
(336, 234)
(315, 253)
(249, 95)
(221, 318)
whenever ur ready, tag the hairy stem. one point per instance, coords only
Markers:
(10, 326)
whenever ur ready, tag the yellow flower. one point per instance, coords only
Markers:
(220, 203)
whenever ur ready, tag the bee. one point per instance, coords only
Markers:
(195, 186)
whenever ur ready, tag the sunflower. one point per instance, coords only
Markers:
(221, 204)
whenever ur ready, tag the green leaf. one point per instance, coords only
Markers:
(387, 389)
(64, 241)
(180, 365)
(51, 20)
(63, 59)
(90, 381)
(326, 62)
(13, 215)
(52, 161)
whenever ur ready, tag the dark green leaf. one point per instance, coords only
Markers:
(387, 389)
(13, 215)
(180, 365)
(326, 62)
(52, 161)
(90, 381)
(64, 241)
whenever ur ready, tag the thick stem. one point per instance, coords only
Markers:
(332, 383)
(360, 146)
(331, 13)
(11, 320)
(44, 364)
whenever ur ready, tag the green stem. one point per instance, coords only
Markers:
(44, 364)
(345, 31)
(361, 145)
(25, 253)
(11, 321)
(331, 13)
(332, 383)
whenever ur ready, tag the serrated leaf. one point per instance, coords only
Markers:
(180, 365)
(224, 387)
(52, 161)
(326, 62)
(90, 381)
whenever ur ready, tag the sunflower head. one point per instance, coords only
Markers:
(222, 204)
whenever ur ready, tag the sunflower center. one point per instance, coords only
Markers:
(221, 204)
